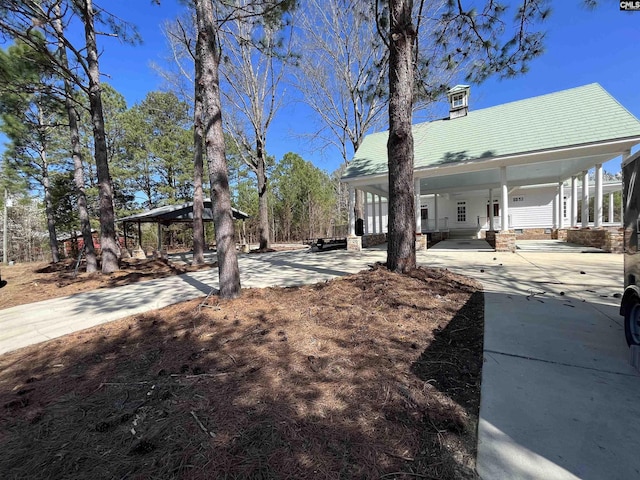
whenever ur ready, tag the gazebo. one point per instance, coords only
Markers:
(169, 214)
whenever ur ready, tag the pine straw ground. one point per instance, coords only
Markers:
(374, 375)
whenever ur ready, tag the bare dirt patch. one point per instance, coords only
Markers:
(33, 282)
(374, 375)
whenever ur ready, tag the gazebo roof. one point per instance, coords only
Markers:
(178, 213)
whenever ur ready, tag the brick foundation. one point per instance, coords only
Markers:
(502, 241)
(587, 237)
(354, 244)
(373, 239)
(614, 242)
(528, 234)
(609, 240)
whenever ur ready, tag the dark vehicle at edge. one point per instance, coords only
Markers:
(630, 305)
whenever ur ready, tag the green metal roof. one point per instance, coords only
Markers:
(577, 116)
(178, 213)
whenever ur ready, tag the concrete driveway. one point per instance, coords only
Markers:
(38, 322)
(559, 398)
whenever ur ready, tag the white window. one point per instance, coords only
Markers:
(462, 211)
(458, 100)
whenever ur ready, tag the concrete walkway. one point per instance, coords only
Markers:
(38, 322)
(559, 398)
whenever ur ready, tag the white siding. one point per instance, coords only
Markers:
(536, 208)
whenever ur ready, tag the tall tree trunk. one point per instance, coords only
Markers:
(78, 178)
(110, 249)
(228, 272)
(76, 153)
(48, 202)
(401, 250)
(198, 195)
(263, 206)
(48, 205)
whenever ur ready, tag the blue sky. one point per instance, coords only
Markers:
(582, 47)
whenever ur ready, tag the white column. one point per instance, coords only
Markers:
(352, 213)
(561, 205)
(610, 216)
(597, 204)
(585, 199)
(504, 217)
(380, 213)
(366, 213)
(373, 213)
(574, 201)
(418, 216)
(554, 210)
(436, 212)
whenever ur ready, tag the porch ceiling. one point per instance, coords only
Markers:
(531, 169)
(517, 175)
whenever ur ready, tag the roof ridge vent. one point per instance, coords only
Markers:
(458, 101)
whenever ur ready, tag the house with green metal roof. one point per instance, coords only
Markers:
(520, 168)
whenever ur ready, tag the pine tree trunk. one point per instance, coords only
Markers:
(401, 250)
(198, 195)
(263, 207)
(110, 249)
(78, 178)
(228, 272)
(76, 154)
(48, 205)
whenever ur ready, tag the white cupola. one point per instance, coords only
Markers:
(458, 101)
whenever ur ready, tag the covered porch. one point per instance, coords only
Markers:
(540, 195)
(512, 170)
